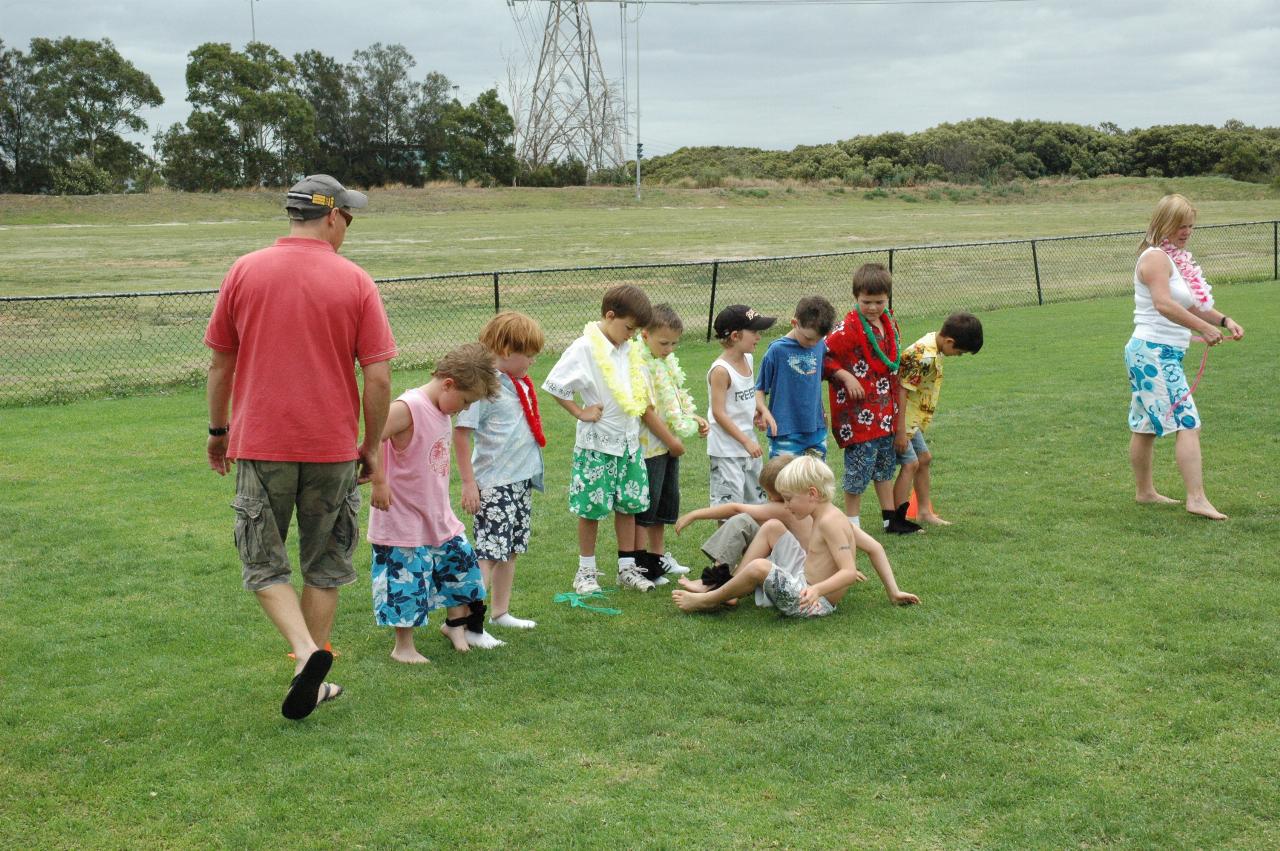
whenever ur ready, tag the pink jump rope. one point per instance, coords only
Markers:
(1204, 361)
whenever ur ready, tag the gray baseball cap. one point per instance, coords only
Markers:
(314, 196)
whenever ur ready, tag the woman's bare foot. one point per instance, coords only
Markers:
(933, 520)
(694, 585)
(1155, 498)
(458, 636)
(409, 657)
(1203, 508)
(689, 601)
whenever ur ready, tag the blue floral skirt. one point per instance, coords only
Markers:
(1156, 382)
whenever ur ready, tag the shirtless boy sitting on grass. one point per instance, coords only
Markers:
(810, 562)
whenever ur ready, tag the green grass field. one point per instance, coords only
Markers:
(179, 241)
(61, 350)
(1083, 672)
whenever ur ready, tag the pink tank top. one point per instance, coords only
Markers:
(420, 514)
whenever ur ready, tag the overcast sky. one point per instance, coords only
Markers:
(771, 75)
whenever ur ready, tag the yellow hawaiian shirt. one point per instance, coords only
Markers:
(921, 375)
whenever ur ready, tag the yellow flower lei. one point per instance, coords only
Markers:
(633, 399)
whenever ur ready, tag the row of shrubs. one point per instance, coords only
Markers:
(991, 150)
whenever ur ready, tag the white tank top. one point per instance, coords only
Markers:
(1148, 323)
(739, 404)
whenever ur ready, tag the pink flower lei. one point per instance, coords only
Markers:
(1191, 273)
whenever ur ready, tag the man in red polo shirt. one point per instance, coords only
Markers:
(289, 324)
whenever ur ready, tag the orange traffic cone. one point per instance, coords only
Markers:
(329, 647)
(912, 508)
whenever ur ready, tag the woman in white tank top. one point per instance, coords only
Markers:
(1170, 301)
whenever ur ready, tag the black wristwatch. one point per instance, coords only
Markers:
(219, 431)
(1222, 323)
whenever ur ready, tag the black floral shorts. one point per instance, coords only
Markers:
(501, 526)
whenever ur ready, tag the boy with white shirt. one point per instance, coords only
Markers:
(604, 369)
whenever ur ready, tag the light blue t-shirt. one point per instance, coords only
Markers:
(503, 450)
(791, 376)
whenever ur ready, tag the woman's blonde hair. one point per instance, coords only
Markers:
(806, 472)
(512, 333)
(1172, 212)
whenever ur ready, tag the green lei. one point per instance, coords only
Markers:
(674, 403)
(871, 338)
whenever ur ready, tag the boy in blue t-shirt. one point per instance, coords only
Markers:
(791, 378)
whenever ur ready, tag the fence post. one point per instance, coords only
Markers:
(890, 275)
(1035, 261)
(1275, 250)
(711, 311)
(497, 302)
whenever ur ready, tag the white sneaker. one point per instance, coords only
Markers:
(661, 580)
(631, 577)
(672, 566)
(587, 580)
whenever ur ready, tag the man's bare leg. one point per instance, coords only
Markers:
(280, 602)
(319, 605)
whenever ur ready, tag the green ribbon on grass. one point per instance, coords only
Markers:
(579, 601)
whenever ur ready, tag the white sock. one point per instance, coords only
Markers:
(509, 620)
(587, 561)
(483, 640)
(626, 563)
(856, 520)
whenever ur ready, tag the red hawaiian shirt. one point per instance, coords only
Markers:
(875, 415)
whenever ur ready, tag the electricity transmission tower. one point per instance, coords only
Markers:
(572, 111)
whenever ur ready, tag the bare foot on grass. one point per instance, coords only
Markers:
(694, 585)
(934, 520)
(1203, 508)
(409, 657)
(689, 601)
(1155, 498)
(457, 635)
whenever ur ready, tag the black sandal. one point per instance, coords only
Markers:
(304, 689)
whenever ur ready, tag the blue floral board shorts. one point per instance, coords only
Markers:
(502, 524)
(410, 582)
(874, 459)
(800, 443)
(1156, 382)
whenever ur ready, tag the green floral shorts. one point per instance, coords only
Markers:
(607, 483)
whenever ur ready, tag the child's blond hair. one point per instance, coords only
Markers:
(807, 472)
(511, 332)
(470, 366)
(769, 473)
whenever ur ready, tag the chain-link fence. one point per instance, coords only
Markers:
(67, 347)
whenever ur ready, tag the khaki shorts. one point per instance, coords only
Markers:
(328, 505)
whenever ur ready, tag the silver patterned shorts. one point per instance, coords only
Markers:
(786, 580)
